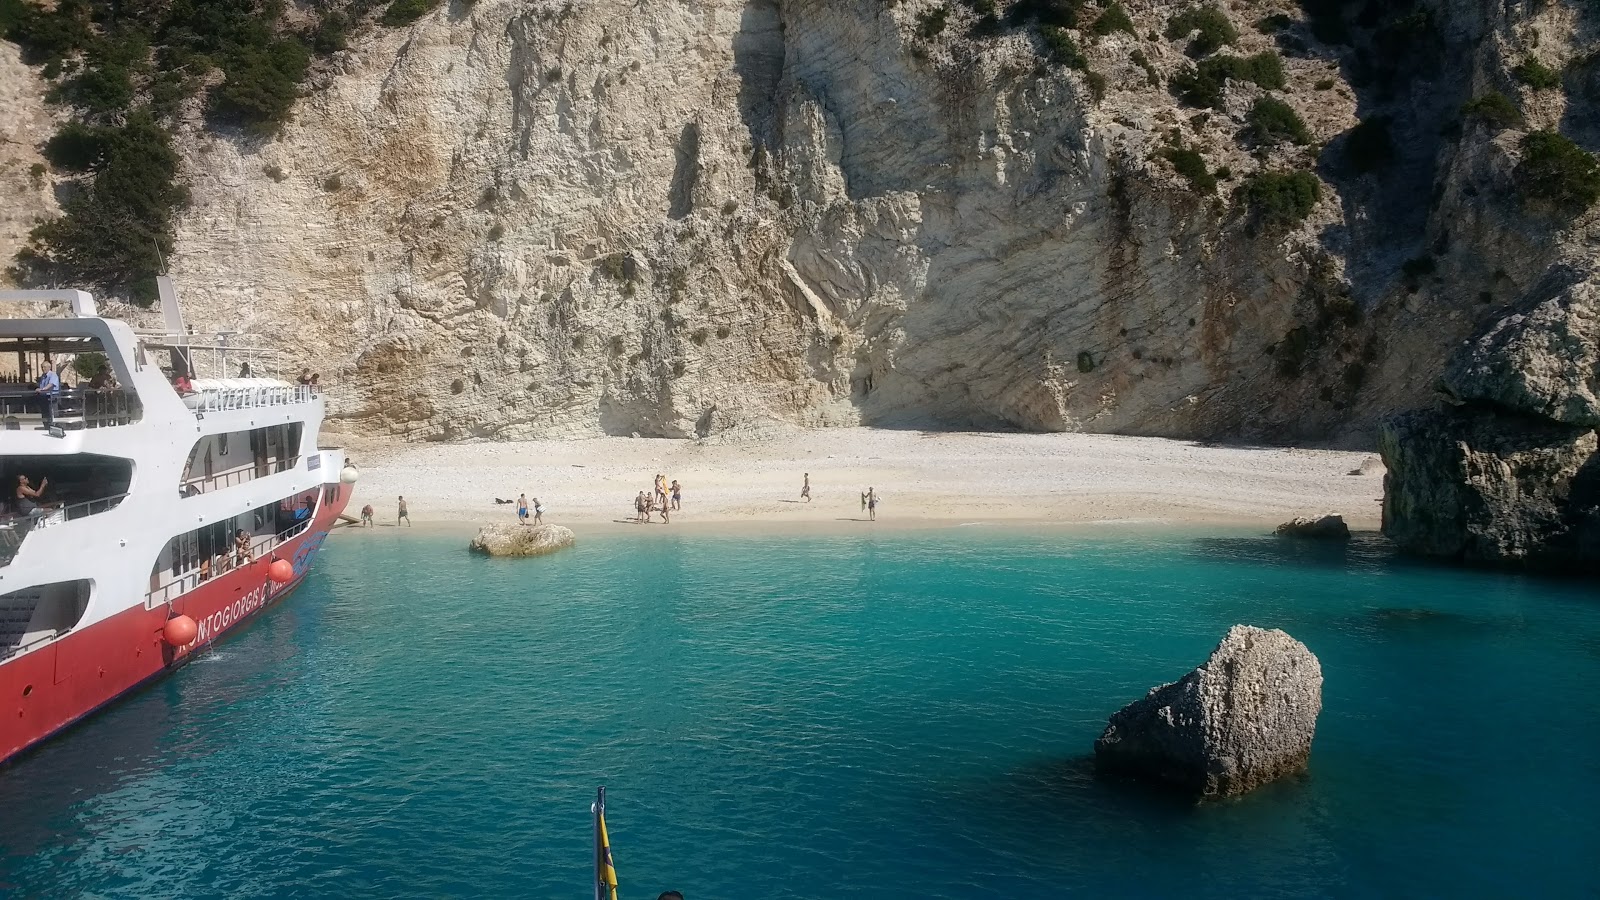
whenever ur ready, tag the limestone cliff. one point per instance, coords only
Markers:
(522, 218)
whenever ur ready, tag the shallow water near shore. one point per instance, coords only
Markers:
(893, 716)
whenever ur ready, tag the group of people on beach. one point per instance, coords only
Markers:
(523, 507)
(662, 498)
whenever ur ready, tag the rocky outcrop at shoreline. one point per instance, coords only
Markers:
(1330, 527)
(1244, 718)
(1506, 472)
(521, 540)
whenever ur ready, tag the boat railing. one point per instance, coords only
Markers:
(221, 397)
(43, 638)
(75, 408)
(225, 562)
(193, 487)
(15, 530)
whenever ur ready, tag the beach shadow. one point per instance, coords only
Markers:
(855, 520)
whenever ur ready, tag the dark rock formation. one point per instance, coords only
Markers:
(1330, 527)
(1244, 718)
(1507, 473)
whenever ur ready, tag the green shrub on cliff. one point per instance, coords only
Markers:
(1202, 85)
(1192, 166)
(1114, 19)
(1061, 49)
(261, 85)
(1279, 200)
(1557, 171)
(1495, 109)
(1209, 25)
(1537, 75)
(1272, 121)
(1053, 13)
(404, 12)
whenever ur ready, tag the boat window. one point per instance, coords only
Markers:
(33, 616)
(68, 487)
(222, 460)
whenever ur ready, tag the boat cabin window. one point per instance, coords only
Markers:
(60, 488)
(222, 460)
(33, 616)
(198, 556)
(89, 396)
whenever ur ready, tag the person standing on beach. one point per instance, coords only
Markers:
(538, 512)
(405, 515)
(366, 516)
(805, 489)
(677, 495)
(872, 505)
(638, 508)
(661, 489)
(863, 501)
(522, 509)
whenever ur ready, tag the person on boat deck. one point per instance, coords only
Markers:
(241, 547)
(316, 383)
(244, 370)
(28, 496)
(305, 376)
(304, 512)
(182, 384)
(49, 389)
(103, 379)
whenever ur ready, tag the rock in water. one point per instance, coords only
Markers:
(520, 540)
(1330, 527)
(1242, 719)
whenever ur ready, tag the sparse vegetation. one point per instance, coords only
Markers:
(496, 232)
(1060, 48)
(332, 184)
(1537, 75)
(1325, 84)
(1274, 23)
(932, 22)
(1557, 171)
(1203, 85)
(1279, 200)
(1209, 25)
(1143, 62)
(1495, 109)
(1113, 19)
(1192, 166)
(1272, 121)
(1085, 361)
(1052, 13)
(1370, 147)
(404, 12)
(274, 172)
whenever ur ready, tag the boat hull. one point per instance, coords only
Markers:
(45, 691)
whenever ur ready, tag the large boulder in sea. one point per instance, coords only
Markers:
(1242, 719)
(521, 540)
(1506, 471)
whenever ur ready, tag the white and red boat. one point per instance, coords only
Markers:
(128, 562)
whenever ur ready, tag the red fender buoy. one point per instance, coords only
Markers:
(281, 571)
(179, 631)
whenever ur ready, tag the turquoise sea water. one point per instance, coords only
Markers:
(887, 716)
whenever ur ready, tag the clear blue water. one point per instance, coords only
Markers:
(895, 716)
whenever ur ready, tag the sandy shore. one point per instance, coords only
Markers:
(922, 477)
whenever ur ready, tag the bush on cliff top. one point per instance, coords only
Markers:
(1057, 13)
(1557, 171)
(1537, 75)
(1115, 18)
(404, 12)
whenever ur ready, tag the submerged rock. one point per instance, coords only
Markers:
(520, 540)
(1330, 527)
(1244, 718)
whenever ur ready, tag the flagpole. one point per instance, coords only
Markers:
(599, 810)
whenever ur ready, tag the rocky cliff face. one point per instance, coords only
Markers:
(523, 218)
(1506, 472)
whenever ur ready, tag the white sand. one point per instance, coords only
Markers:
(922, 477)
